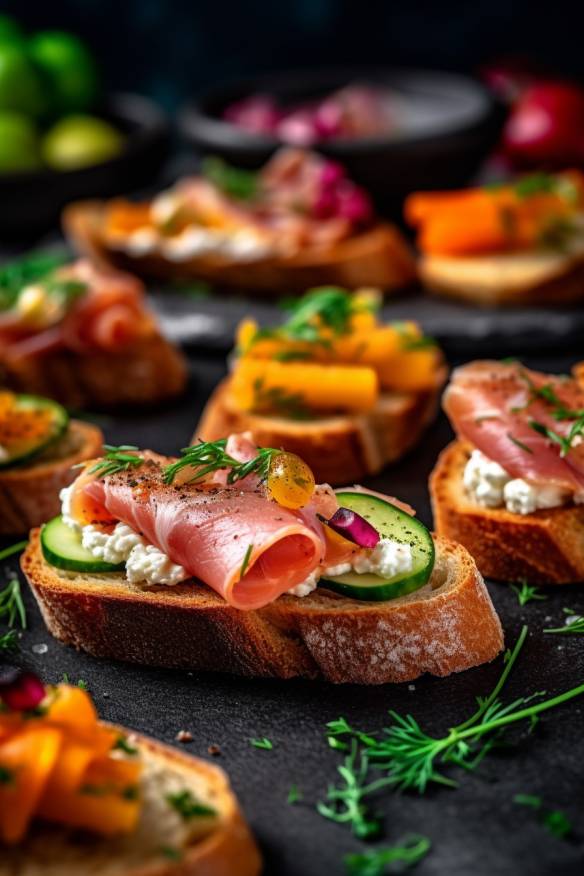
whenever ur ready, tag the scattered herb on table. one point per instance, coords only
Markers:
(206, 457)
(117, 459)
(574, 624)
(262, 742)
(526, 593)
(8, 641)
(188, 806)
(407, 853)
(11, 604)
(554, 820)
(294, 795)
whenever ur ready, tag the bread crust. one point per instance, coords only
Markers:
(229, 850)
(447, 626)
(339, 450)
(148, 372)
(565, 285)
(546, 547)
(377, 257)
(29, 495)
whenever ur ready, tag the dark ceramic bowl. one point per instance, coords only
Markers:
(441, 147)
(31, 202)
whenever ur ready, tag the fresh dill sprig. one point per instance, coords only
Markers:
(345, 803)
(526, 593)
(11, 604)
(116, 459)
(8, 641)
(574, 624)
(263, 743)
(374, 862)
(412, 758)
(245, 562)
(554, 820)
(209, 456)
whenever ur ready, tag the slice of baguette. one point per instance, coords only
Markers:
(146, 373)
(446, 626)
(29, 494)
(546, 547)
(163, 843)
(377, 257)
(339, 450)
(530, 278)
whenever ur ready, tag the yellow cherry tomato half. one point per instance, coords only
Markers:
(290, 481)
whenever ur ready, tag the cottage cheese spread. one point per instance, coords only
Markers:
(492, 487)
(386, 559)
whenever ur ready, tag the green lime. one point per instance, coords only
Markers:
(10, 30)
(19, 143)
(68, 67)
(21, 85)
(79, 141)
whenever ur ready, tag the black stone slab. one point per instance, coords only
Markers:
(476, 829)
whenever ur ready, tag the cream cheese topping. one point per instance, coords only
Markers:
(243, 244)
(490, 486)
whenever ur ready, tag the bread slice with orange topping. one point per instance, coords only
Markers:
(82, 796)
(446, 626)
(39, 446)
(333, 384)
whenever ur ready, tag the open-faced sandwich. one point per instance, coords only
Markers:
(519, 243)
(296, 223)
(39, 444)
(80, 797)
(83, 336)
(333, 384)
(511, 487)
(231, 559)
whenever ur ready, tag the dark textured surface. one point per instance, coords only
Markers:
(476, 829)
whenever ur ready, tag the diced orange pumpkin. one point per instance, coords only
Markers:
(73, 763)
(312, 386)
(411, 371)
(72, 710)
(26, 762)
(123, 217)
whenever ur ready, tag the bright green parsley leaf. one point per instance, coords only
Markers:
(262, 742)
(188, 806)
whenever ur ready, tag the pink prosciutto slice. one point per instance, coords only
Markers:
(233, 538)
(493, 406)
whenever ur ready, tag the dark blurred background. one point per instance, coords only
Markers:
(171, 48)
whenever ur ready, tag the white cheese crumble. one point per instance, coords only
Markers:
(386, 559)
(145, 563)
(492, 487)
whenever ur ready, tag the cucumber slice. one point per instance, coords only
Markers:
(23, 449)
(391, 523)
(61, 547)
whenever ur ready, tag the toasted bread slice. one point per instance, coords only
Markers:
(163, 843)
(446, 626)
(531, 278)
(146, 373)
(339, 450)
(546, 547)
(29, 494)
(377, 257)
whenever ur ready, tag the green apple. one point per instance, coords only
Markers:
(69, 69)
(21, 85)
(19, 143)
(79, 141)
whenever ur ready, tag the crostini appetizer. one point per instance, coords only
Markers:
(333, 384)
(520, 243)
(39, 444)
(83, 336)
(511, 487)
(296, 223)
(78, 796)
(231, 559)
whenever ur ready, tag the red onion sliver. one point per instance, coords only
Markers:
(354, 528)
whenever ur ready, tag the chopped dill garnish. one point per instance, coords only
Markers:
(8, 641)
(262, 742)
(188, 806)
(206, 457)
(526, 593)
(117, 459)
(294, 795)
(554, 820)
